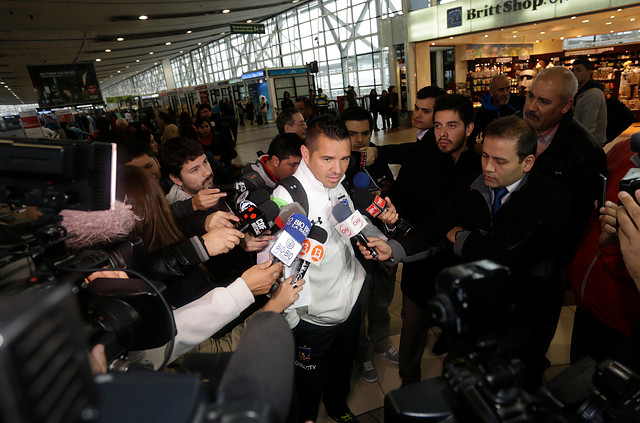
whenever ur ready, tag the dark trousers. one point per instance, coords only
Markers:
(376, 296)
(375, 120)
(413, 340)
(591, 337)
(395, 119)
(324, 359)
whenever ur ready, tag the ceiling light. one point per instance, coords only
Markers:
(579, 36)
(249, 21)
(562, 38)
(573, 17)
(127, 67)
(150, 52)
(155, 63)
(607, 23)
(514, 32)
(433, 44)
(295, 1)
(98, 60)
(537, 41)
(514, 36)
(611, 30)
(189, 31)
(181, 51)
(119, 39)
(168, 43)
(137, 60)
(199, 44)
(585, 21)
(619, 10)
(2, 82)
(108, 50)
(451, 38)
(223, 33)
(118, 71)
(110, 76)
(612, 16)
(542, 32)
(226, 11)
(143, 17)
(632, 19)
(486, 35)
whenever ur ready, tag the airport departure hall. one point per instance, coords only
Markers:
(329, 211)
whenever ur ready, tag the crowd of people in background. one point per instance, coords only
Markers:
(514, 181)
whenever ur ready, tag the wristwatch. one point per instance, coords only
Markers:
(458, 234)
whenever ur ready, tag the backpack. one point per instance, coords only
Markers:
(619, 118)
(295, 190)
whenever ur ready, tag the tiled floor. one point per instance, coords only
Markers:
(367, 399)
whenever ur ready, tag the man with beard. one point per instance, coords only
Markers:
(425, 180)
(567, 152)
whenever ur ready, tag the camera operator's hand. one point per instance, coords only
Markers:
(220, 241)
(98, 360)
(608, 224)
(261, 277)
(382, 248)
(207, 198)
(628, 215)
(389, 215)
(107, 274)
(219, 220)
(251, 243)
(285, 294)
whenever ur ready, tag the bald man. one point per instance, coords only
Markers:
(567, 151)
(495, 104)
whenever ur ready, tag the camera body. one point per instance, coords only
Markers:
(631, 182)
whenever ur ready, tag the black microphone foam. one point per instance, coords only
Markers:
(258, 196)
(261, 368)
(362, 198)
(318, 234)
(270, 210)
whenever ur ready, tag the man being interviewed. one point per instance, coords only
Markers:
(326, 331)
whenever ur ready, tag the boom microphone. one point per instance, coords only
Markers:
(351, 224)
(374, 205)
(253, 387)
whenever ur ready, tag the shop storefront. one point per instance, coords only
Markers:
(519, 38)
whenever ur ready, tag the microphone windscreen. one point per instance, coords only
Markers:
(287, 211)
(270, 210)
(341, 212)
(361, 180)
(362, 198)
(298, 226)
(258, 196)
(98, 227)
(262, 366)
(318, 233)
(635, 142)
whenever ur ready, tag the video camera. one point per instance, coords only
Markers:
(480, 384)
(124, 315)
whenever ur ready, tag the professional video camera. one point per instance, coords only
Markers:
(48, 311)
(124, 315)
(483, 385)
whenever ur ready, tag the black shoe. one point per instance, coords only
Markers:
(345, 417)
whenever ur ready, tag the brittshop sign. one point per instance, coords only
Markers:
(464, 16)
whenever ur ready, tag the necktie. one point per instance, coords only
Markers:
(499, 193)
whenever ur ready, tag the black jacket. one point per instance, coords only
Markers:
(575, 159)
(527, 234)
(423, 184)
(402, 153)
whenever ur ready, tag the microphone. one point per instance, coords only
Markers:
(257, 220)
(251, 198)
(312, 250)
(374, 205)
(351, 224)
(289, 242)
(361, 180)
(252, 386)
(286, 212)
(98, 227)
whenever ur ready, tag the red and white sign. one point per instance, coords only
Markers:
(31, 124)
(352, 225)
(374, 210)
(380, 202)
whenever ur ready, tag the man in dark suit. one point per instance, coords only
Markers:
(515, 217)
